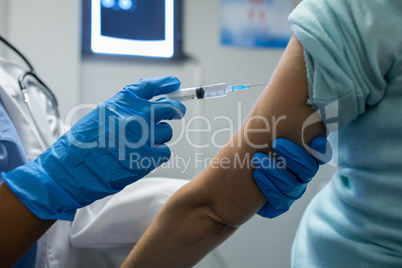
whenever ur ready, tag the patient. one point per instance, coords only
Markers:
(346, 62)
(210, 208)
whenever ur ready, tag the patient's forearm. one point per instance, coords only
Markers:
(181, 235)
(207, 210)
(202, 214)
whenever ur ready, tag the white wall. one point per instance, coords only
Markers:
(48, 32)
(3, 24)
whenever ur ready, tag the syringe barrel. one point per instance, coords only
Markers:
(183, 94)
(216, 90)
(202, 92)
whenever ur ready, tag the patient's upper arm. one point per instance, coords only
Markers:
(280, 112)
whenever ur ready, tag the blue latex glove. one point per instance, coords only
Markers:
(282, 185)
(116, 144)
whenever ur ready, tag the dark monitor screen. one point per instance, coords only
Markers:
(148, 28)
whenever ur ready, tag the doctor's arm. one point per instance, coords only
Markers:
(81, 167)
(19, 227)
(206, 211)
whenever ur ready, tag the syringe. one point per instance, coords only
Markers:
(206, 92)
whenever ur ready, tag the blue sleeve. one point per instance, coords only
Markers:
(3, 160)
(13, 155)
(12, 152)
(348, 53)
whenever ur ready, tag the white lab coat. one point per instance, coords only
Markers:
(113, 224)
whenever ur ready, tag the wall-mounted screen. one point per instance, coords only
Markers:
(149, 28)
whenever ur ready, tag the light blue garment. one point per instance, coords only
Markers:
(353, 52)
(12, 155)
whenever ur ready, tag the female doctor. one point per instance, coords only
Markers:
(112, 224)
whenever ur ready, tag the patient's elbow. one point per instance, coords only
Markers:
(224, 220)
(203, 225)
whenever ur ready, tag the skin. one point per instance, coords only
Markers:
(210, 208)
(20, 229)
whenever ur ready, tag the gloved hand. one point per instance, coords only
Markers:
(116, 144)
(284, 183)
